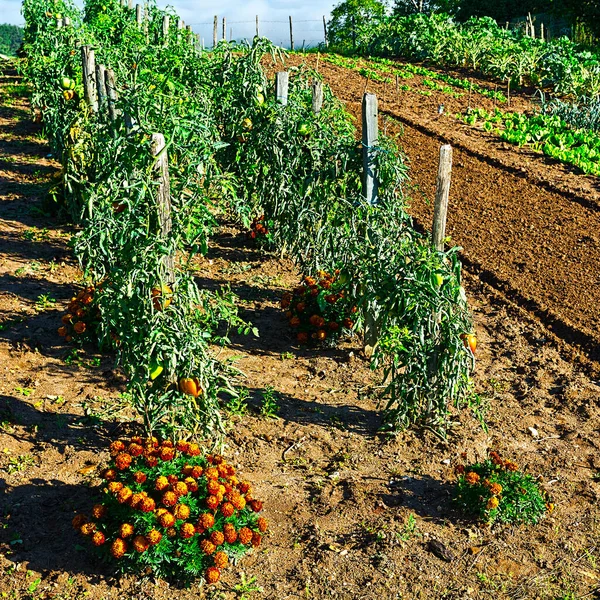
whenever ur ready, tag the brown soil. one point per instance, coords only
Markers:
(338, 495)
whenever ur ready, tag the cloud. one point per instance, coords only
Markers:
(307, 16)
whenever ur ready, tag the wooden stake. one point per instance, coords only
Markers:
(59, 23)
(317, 97)
(88, 62)
(370, 137)
(508, 93)
(442, 194)
(101, 83)
(325, 31)
(225, 28)
(67, 21)
(165, 27)
(111, 93)
(291, 35)
(163, 198)
(318, 57)
(282, 83)
(257, 30)
(138, 14)
(215, 31)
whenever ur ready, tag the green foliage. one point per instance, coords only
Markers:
(496, 491)
(269, 406)
(352, 20)
(11, 37)
(163, 512)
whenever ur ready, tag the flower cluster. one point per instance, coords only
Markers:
(319, 309)
(82, 316)
(495, 490)
(260, 232)
(170, 510)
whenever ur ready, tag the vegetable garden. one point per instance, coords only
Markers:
(161, 143)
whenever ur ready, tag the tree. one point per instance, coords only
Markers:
(351, 19)
(404, 8)
(11, 37)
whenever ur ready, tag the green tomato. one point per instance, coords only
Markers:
(66, 83)
(439, 280)
(260, 98)
(58, 16)
(155, 371)
(247, 124)
(304, 128)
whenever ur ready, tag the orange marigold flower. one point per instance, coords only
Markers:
(217, 538)
(124, 495)
(194, 450)
(286, 300)
(161, 483)
(115, 486)
(472, 478)
(197, 472)
(295, 322)
(167, 520)
(140, 543)
(62, 331)
(147, 504)
(80, 327)
(187, 531)
(495, 489)
(459, 469)
(66, 319)
(227, 509)
(126, 530)
(348, 323)
(496, 458)
(206, 520)
(172, 479)
(492, 503)
(187, 470)
(302, 337)
(154, 536)
(135, 449)
(88, 528)
(244, 487)
(212, 575)
(139, 477)
(181, 511)
(231, 536)
(98, 538)
(109, 474)
(550, 507)
(183, 446)
(180, 488)
(116, 447)
(510, 466)
(262, 524)
(99, 511)
(169, 499)
(239, 502)
(256, 539)
(151, 461)
(136, 439)
(333, 326)
(212, 502)
(78, 521)
(207, 547)
(167, 444)
(245, 535)
(123, 461)
(221, 560)
(118, 548)
(192, 484)
(167, 454)
(256, 505)
(213, 486)
(171, 532)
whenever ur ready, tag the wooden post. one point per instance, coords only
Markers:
(325, 31)
(138, 14)
(508, 93)
(215, 31)
(317, 97)
(291, 35)
(111, 93)
(59, 23)
(224, 29)
(282, 83)
(542, 32)
(67, 21)
(130, 4)
(163, 198)
(369, 141)
(442, 193)
(257, 30)
(101, 83)
(165, 27)
(88, 61)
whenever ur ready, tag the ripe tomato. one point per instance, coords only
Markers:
(161, 297)
(190, 385)
(470, 341)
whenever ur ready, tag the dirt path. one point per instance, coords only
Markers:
(351, 512)
(528, 225)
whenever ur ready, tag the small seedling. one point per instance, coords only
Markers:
(19, 463)
(238, 405)
(269, 406)
(44, 302)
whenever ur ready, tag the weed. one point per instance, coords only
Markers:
(238, 405)
(269, 406)
(20, 463)
(44, 302)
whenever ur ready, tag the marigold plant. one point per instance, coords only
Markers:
(497, 491)
(170, 510)
(319, 310)
(81, 320)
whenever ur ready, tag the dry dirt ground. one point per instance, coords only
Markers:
(352, 512)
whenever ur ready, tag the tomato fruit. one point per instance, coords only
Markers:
(155, 371)
(190, 386)
(161, 297)
(304, 128)
(247, 124)
(260, 98)
(470, 341)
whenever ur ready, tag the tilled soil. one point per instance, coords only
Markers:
(528, 225)
(352, 512)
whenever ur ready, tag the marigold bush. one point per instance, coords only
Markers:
(497, 491)
(319, 310)
(171, 511)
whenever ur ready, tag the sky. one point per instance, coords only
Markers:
(307, 16)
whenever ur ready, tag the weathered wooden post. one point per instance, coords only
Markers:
(224, 29)
(317, 97)
(325, 31)
(215, 31)
(88, 62)
(282, 83)
(166, 23)
(163, 198)
(101, 83)
(59, 23)
(130, 4)
(291, 34)
(442, 193)
(67, 21)
(257, 30)
(138, 14)
(370, 136)
(111, 93)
